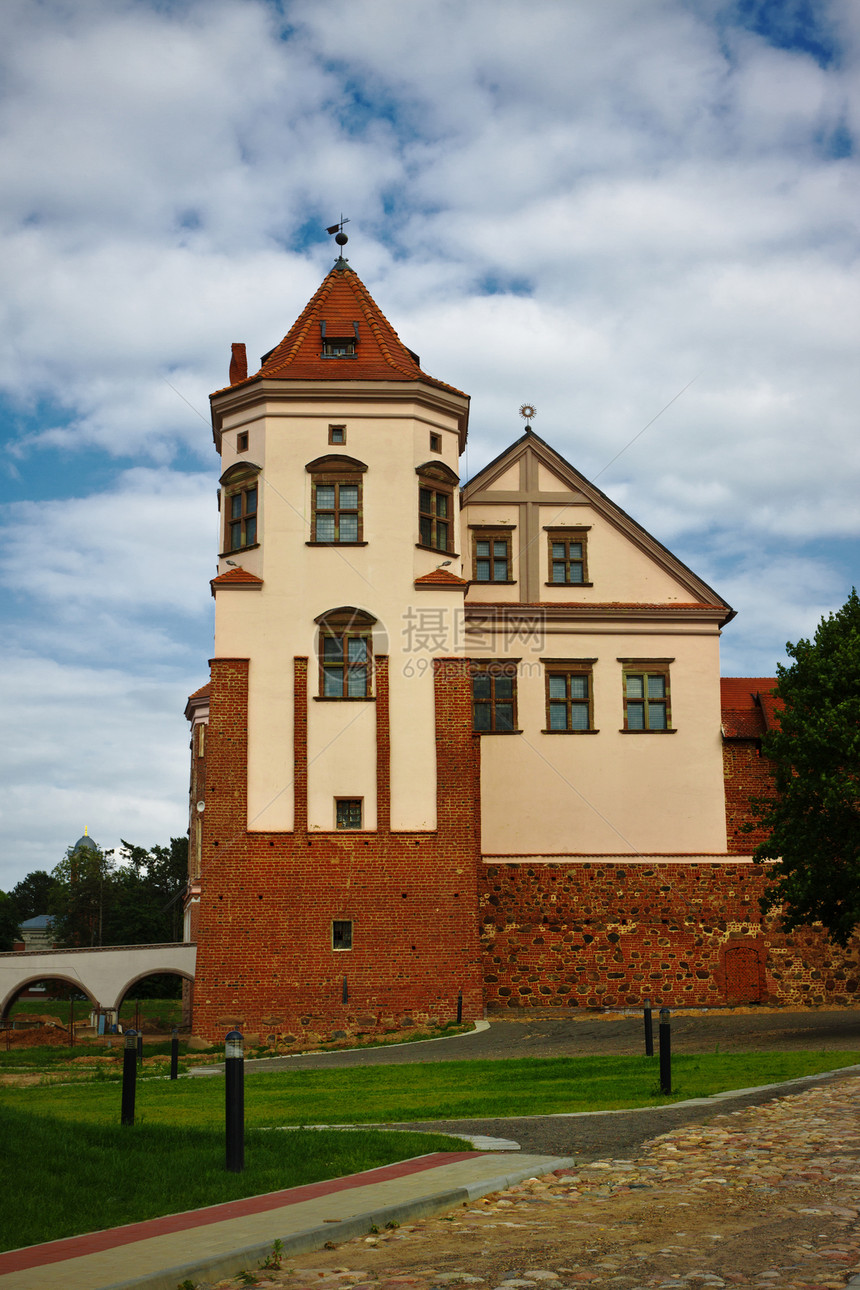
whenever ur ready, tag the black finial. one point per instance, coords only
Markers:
(341, 237)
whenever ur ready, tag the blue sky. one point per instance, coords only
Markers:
(589, 207)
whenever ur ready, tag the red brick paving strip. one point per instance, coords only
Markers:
(72, 1247)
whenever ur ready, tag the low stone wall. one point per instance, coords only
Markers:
(605, 934)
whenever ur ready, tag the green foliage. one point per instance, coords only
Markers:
(78, 897)
(131, 896)
(814, 816)
(10, 921)
(32, 895)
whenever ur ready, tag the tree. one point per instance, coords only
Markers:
(32, 895)
(814, 813)
(81, 896)
(147, 893)
(10, 920)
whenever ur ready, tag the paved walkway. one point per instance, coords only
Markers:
(215, 1242)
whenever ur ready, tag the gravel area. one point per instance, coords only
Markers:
(765, 1195)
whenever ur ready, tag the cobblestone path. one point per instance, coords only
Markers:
(768, 1196)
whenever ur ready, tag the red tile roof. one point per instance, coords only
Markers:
(235, 578)
(202, 693)
(440, 576)
(343, 299)
(749, 707)
(740, 691)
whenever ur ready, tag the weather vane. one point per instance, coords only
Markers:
(528, 411)
(341, 237)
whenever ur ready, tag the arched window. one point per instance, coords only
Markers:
(436, 484)
(240, 503)
(337, 514)
(346, 653)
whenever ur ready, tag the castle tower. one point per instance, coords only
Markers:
(335, 838)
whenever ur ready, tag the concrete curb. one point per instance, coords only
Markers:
(315, 1238)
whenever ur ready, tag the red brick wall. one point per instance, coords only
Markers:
(747, 775)
(609, 934)
(265, 961)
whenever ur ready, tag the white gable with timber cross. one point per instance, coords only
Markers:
(536, 499)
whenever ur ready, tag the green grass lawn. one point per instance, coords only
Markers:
(65, 1143)
(82, 1177)
(426, 1090)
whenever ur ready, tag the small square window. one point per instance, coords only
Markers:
(568, 698)
(494, 698)
(568, 565)
(646, 700)
(492, 557)
(337, 434)
(341, 934)
(435, 442)
(347, 813)
(242, 441)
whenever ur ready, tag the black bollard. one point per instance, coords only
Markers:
(174, 1054)
(649, 1033)
(234, 1068)
(665, 1053)
(129, 1075)
(459, 1007)
(140, 1048)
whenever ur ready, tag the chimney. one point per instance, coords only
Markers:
(238, 364)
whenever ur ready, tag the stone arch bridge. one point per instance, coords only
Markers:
(104, 975)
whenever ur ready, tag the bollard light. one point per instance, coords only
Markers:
(129, 1076)
(174, 1054)
(665, 1053)
(234, 1081)
(649, 1033)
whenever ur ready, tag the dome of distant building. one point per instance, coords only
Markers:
(85, 842)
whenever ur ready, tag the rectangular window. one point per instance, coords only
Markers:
(337, 434)
(435, 442)
(492, 557)
(337, 511)
(242, 441)
(567, 557)
(341, 934)
(242, 518)
(494, 697)
(646, 700)
(347, 812)
(568, 698)
(434, 518)
(345, 666)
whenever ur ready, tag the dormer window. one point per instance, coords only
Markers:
(339, 343)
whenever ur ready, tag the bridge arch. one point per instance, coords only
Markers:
(71, 981)
(104, 974)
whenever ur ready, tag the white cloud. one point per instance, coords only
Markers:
(100, 747)
(585, 206)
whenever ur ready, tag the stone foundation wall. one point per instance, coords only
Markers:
(612, 934)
